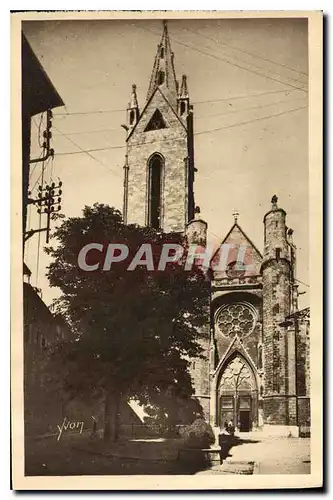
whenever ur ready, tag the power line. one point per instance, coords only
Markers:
(252, 55)
(181, 138)
(253, 108)
(246, 96)
(88, 152)
(251, 121)
(40, 175)
(227, 61)
(96, 131)
(305, 284)
(231, 98)
(101, 111)
(89, 131)
(196, 117)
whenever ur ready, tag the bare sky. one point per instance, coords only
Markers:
(245, 81)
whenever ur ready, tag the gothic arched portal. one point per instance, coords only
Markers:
(237, 394)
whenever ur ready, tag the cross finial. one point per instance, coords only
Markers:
(274, 201)
(236, 215)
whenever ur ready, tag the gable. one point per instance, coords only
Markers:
(156, 122)
(172, 121)
(237, 256)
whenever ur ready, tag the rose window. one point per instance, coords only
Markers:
(236, 319)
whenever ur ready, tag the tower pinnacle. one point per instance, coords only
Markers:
(163, 74)
(133, 111)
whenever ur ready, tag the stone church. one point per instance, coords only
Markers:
(256, 341)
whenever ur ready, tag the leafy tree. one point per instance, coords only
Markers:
(134, 330)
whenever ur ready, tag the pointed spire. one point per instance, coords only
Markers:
(134, 99)
(163, 74)
(183, 94)
(133, 109)
(236, 215)
(274, 201)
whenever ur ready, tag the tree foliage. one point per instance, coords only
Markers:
(134, 330)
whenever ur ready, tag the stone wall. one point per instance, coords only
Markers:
(171, 142)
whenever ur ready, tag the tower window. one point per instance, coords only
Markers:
(182, 108)
(156, 122)
(278, 253)
(162, 52)
(155, 185)
(132, 115)
(161, 77)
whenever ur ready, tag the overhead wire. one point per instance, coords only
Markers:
(95, 131)
(219, 42)
(182, 138)
(227, 61)
(88, 152)
(208, 101)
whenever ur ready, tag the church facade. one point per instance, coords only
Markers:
(255, 370)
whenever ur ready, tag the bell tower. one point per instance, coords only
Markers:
(159, 166)
(279, 347)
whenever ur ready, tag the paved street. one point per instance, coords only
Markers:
(274, 455)
(270, 455)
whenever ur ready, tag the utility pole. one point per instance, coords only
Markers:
(48, 201)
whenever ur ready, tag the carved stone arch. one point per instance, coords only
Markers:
(236, 352)
(236, 391)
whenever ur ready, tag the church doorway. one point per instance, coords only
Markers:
(238, 395)
(245, 423)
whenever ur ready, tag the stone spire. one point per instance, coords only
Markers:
(163, 74)
(183, 94)
(134, 99)
(133, 111)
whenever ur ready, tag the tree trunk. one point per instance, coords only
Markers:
(111, 420)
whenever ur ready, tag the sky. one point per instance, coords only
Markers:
(248, 84)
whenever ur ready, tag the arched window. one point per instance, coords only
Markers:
(132, 115)
(182, 108)
(162, 52)
(155, 190)
(161, 76)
